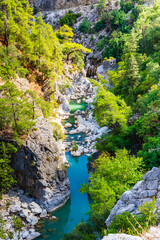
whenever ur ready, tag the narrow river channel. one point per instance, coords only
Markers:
(78, 205)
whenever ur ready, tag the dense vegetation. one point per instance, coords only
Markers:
(136, 81)
(130, 108)
(107, 184)
(29, 48)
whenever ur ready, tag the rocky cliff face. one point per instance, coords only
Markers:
(143, 191)
(40, 166)
(49, 5)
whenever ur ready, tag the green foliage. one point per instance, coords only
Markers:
(126, 6)
(135, 12)
(10, 63)
(115, 46)
(148, 216)
(85, 26)
(110, 110)
(98, 220)
(119, 21)
(71, 48)
(58, 132)
(148, 124)
(74, 147)
(82, 231)
(101, 44)
(101, 7)
(100, 25)
(15, 25)
(15, 109)
(37, 103)
(122, 223)
(69, 19)
(96, 223)
(6, 178)
(112, 176)
(18, 224)
(135, 225)
(2, 229)
(31, 42)
(111, 143)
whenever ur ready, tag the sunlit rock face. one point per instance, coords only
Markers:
(49, 5)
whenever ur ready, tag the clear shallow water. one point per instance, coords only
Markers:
(74, 106)
(78, 205)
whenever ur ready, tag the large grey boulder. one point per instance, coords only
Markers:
(33, 220)
(35, 208)
(121, 236)
(33, 235)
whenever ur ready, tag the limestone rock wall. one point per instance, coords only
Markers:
(143, 191)
(49, 5)
(40, 166)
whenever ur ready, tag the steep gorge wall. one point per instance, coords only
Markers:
(40, 166)
(50, 5)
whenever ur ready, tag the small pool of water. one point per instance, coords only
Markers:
(74, 106)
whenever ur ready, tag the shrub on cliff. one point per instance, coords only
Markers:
(100, 25)
(85, 26)
(135, 225)
(58, 132)
(69, 18)
(101, 7)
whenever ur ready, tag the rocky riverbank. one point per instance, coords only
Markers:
(40, 169)
(81, 91)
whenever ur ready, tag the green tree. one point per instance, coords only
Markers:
(15, 22)
(10, 63)
(19, 109)
(6, 178)
(110, 110)
(112, 177)
(69, 19)
(70, 48)
(47, 52)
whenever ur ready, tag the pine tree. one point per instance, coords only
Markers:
(130, 59)
(19, 109)
(6, 178)
(15, 22)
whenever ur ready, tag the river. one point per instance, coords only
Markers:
(77, 206)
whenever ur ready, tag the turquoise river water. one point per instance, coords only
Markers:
(78, 205)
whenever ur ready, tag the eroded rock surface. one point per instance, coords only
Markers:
(49, 5)
(143, 191)
(40, 166)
